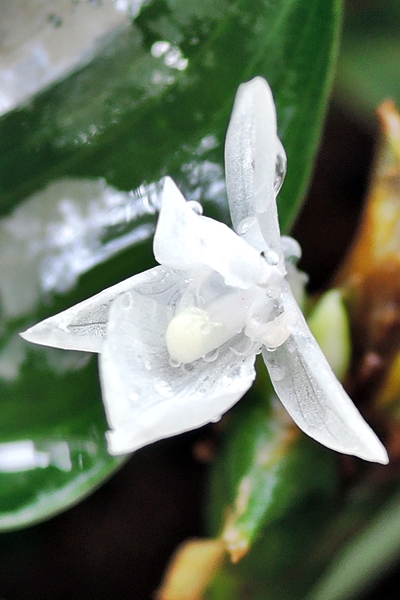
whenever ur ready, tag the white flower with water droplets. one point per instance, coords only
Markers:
(177, 343)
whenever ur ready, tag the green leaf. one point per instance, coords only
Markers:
(295, 511)
(364, 559)
(128, 117)
(369, 58)
(266, 466)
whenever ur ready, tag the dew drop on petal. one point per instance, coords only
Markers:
(280, 167)
(211, 356)
(216, 419)
(196, 207)
(174, 363)
(273, 292)
(270, 349)
(271, 257)
(245, 225)
(147, 365)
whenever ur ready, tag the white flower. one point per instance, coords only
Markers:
(178, 343)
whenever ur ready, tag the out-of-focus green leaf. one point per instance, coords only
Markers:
(266, 466)
(329, 324)
(369, 60)
(277, 566)
(364, 559)
(131, 116)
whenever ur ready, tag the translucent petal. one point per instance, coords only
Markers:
(312, 395)
(184, 239)
(83, 326)
(147, 399)
(251, 151)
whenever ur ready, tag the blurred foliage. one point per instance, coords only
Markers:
(368, 66)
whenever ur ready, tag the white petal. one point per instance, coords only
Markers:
(312, 395)
(184, 239)
(251, 150)
(83, 326)
(146, 399)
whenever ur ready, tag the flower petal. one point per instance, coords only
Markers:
(312, 395)
(146, 399)
(184, 239)
(83, 326)
(251, 151)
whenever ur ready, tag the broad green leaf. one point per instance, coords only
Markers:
(131, 115)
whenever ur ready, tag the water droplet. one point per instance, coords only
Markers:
(245, 225)
(174, 363)
(216, 419)
(147, 365)
(270, 349)
(273, 292)
(271, 257)
(211, 356)
(196, 207)
(280, 167)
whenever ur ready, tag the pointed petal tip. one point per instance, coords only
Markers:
(49, 334)
(376, 453)
(34, 335)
